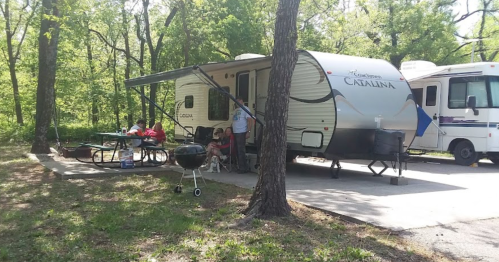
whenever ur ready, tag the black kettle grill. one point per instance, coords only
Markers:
(190, 156)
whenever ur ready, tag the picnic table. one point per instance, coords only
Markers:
(99, 159)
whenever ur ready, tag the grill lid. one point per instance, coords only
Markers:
(190, 149)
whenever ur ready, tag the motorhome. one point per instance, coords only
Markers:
(463, 102)
(336, 104)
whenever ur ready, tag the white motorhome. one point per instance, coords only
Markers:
(463, 101)
(336, 105)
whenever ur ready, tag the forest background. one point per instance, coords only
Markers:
(104, 42)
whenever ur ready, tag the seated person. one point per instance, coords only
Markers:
(135, 130)
(158, 136)
(222, 148)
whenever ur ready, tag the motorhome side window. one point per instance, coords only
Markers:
(189, 101)
(462, 87)
(218, 105)
(431, 96)
(418, 96)
(494, 90)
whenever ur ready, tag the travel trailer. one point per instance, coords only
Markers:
(463, 102)
(336, 105)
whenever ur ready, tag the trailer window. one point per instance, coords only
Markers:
(494, 90)
(189, 101)
(431, 96)
(462, 87)
(218, 105)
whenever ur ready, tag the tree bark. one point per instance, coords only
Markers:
(269, 197)
(47, 57)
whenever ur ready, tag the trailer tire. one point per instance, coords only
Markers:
(465, 154)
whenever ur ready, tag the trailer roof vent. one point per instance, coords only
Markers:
(248, 56)
(417, 65)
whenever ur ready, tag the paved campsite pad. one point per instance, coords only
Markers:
(436, 194)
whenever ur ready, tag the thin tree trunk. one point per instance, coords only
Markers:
(47, 58)
(116, 93)
(187, 44)
(13, 54)
(93, 92)
(129, 101)
(269, 197)
(154, 53)
(141, 65)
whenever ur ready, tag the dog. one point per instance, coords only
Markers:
(214, 165)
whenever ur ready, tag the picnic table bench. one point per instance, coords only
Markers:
(101, 160)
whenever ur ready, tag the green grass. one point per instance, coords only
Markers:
(140, 219)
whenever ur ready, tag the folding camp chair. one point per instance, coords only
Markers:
(203, 135)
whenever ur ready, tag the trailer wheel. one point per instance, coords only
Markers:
(465, 153)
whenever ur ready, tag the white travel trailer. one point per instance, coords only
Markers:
(463, 101)
(336, 105)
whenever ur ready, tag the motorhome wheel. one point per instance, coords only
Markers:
(465, 153)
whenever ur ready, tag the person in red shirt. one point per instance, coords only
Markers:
(223, 147)
(157, 135)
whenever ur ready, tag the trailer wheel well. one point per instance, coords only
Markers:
(454, 143)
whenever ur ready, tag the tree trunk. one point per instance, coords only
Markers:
(154, 53)
(269, 197)
(93, 92)
(129, 117)
(141, 65)
(12, 63)
(116, 93)
(47, 58)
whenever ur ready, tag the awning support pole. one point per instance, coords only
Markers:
(161, 109)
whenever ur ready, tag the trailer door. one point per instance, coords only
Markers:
(246, 88)
(431, 105)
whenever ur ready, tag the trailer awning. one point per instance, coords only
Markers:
(413, 75)
(159, 77)
(181, 72)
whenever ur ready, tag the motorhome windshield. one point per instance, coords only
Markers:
(462, 87)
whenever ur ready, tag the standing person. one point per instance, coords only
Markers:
(241, 127)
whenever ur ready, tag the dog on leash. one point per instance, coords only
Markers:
(214, 165)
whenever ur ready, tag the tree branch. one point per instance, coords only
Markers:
(223, 53)
(110, 45)
(168, 21)
(18, 48)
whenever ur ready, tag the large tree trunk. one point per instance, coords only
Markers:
(269, 197)
(47, 58)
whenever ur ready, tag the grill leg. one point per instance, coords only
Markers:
(183, 173)
(202, 177)
(194, 175)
